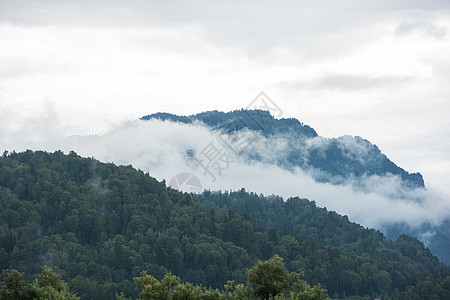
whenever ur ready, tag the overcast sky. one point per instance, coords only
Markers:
(377, 69)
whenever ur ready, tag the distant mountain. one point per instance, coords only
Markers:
(333, 160)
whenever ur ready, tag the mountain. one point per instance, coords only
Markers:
(100, 225)
(336, 159)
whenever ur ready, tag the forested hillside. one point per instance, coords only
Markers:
(301, 218)
(100, 225)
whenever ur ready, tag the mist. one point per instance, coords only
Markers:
(166, 149)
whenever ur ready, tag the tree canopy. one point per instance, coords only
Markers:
(100, 225)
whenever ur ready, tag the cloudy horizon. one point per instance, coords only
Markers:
(375, 69)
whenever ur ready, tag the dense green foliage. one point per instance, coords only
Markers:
(266, 280)
(100, 225)
(357, 257)
(48, 285)
(271, 280)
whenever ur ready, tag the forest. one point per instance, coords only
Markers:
(112, 231)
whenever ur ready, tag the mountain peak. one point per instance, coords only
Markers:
(255, 119)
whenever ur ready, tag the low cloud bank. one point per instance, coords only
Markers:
(166, 149)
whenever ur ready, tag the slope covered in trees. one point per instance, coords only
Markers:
(101, 225)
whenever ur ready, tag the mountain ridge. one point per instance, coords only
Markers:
(306, 149)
